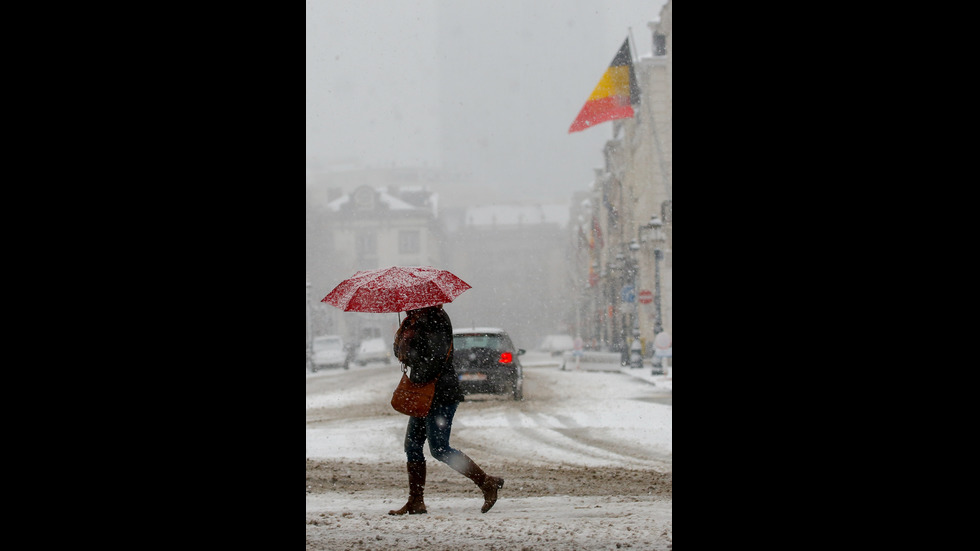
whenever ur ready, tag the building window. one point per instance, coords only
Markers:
(659, 44)
(363, 198)
(366, 248)
(409, 242)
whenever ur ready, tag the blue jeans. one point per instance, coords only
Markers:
(436, 428)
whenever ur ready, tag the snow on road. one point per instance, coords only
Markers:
(621, 420)
(626, 426)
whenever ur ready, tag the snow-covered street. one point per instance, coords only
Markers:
(587, 460)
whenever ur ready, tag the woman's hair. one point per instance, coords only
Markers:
(418, 310)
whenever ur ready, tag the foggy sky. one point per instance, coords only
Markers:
(486, 90)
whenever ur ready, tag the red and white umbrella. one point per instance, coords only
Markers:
(396, 289)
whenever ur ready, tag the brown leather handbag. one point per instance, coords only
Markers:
(413, 399)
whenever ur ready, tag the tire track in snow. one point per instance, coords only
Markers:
(565, 442)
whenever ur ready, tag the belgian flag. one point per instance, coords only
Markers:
(614, 96)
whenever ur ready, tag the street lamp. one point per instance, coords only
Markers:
(658, 325)
(636, 356)
(654, 234)
(309, 331)
(596, 319)
(616, 278)
(602, 300)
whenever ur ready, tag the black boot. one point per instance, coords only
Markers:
(416, 485)
(488, 484)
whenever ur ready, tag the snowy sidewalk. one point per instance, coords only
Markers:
(663, 382)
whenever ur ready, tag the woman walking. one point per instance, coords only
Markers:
(424, 342)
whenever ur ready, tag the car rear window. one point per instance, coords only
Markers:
(323, 343)
(494, 342)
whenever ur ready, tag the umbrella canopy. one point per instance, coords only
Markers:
(396, 289)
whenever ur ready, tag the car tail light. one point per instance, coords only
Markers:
(506, 358)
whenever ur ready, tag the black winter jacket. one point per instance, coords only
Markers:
(430, 354)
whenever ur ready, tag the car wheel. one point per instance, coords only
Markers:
(519, 393)
(362, 363)
(314, 369)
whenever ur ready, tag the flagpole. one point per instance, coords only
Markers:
(632, 40)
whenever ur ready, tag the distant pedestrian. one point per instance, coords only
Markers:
(424, 343)
(577, 352)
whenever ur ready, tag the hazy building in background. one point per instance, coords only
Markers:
(516, 257)
(369, 228)
(324, 188)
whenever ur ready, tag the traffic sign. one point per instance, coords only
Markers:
(646, 296)
(628, 294)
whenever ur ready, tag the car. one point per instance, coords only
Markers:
(373, 350)
(329, 351)
(557, 345)
(487, 362)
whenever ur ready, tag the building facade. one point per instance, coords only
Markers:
(369, 228)
(517, 259)
(626, 223)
